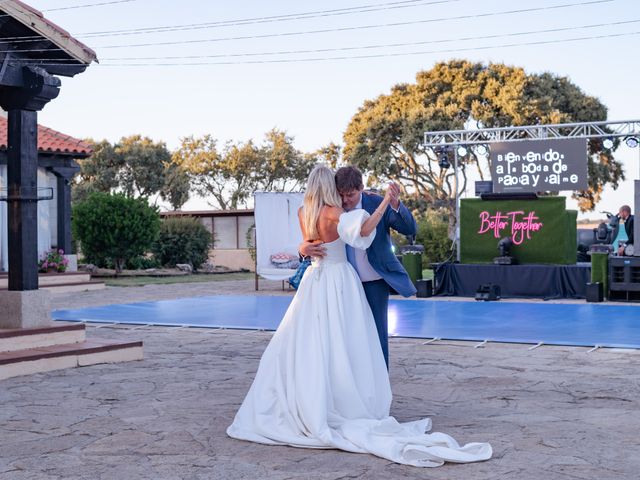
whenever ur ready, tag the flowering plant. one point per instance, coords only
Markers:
(54, 259)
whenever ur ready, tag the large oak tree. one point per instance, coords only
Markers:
(385, 136)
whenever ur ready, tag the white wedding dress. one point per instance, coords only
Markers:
(322, 381)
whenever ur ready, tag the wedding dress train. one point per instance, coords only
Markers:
(322, 381)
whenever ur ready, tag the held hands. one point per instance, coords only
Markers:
(392, 196)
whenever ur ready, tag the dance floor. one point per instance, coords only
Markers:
(585, 324)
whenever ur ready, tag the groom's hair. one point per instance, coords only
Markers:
(348, 179)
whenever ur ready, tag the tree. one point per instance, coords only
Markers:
(283, 167)
(226, 176)
(99, 172)
(230, 177)
(136, 166)
(385, 136)
(432, 234)
(176, 186)
(142, 165)
(114, 228)
(329, 154)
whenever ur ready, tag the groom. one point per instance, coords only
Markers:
(378, 266)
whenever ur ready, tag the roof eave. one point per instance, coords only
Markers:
(35, 21)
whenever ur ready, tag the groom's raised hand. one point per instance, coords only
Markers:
(393, 192)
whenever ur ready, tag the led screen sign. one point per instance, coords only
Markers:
(539, 165)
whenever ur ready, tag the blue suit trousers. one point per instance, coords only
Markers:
(377, 293)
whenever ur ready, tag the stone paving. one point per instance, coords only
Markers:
(550, 413)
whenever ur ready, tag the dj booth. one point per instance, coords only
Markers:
(537, 281)
(542, 241)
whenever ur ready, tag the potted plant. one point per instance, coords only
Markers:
(53, 261)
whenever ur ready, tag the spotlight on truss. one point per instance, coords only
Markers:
(607, 143)
(632, 142)
(462, 151)
(443, 159)
(481, 149)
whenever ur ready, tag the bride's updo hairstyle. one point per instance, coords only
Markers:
(321, 191)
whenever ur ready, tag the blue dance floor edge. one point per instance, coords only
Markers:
(585, 325)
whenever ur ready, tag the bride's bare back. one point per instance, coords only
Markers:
(327, 224)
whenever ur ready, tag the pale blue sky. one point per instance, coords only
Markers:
(313, 101)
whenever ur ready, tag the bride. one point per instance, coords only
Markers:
(322, 381)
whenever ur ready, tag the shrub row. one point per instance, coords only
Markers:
(116, 231)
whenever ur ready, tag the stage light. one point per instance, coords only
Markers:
(443, 160)
(602, 233)
(504, 246)
(607, 143)
(462, 151)
(443, 157)
(632, 142)
(481, 150)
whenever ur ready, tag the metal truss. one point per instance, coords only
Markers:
(442, 138)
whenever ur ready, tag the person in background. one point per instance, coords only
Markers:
(625, 214)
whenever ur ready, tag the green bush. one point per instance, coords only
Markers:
(142, 263)
(114, 228)
(433, 233)
(250, 236)
(182, 240)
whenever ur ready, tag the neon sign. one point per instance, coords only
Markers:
(518, 225)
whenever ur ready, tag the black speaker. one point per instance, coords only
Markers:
(425, 288)
(488, 292)
(509, 196)
(483, 186)
(594, 292)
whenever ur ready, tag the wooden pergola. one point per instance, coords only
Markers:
(33, 52)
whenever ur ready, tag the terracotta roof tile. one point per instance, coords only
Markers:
(50, 141)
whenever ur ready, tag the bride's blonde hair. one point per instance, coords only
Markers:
(321, 191)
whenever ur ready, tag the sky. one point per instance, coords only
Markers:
(194, 79)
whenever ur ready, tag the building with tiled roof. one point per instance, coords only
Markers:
(57, 165)
(51, 141)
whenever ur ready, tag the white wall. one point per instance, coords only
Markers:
(47, 215)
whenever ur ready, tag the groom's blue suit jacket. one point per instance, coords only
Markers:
(380, 255)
